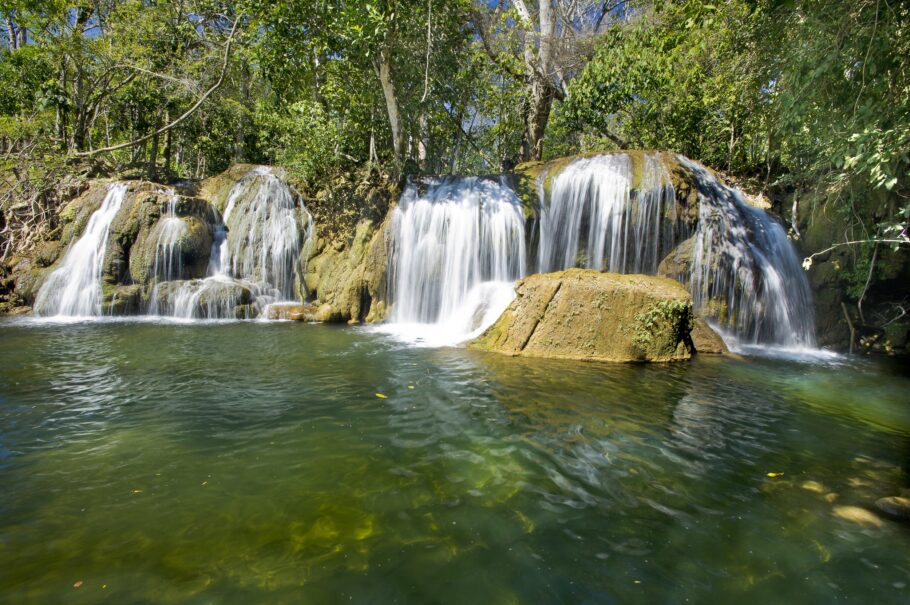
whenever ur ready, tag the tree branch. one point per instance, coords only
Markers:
(187, 113)
(807, 262)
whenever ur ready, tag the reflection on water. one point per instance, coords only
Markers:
(247, 462)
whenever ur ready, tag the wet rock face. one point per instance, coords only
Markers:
(584, 314)
(206, 298)
(191, 247)
(348, 278)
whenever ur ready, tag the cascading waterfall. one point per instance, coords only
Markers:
(255, 252)
(595, 217)
(74, 289)
(744, 272)
(743, 259)
(168, 258)
(457, 248)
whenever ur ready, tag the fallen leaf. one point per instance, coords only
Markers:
(775, 475)
(77, 584)
(381, 396)
(205, 483)
(411, 386)
(136, 491)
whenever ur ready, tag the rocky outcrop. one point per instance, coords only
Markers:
(27, 271)
(584, 314)
(347, 278)
(139, 233)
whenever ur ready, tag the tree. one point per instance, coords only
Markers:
(543, 47)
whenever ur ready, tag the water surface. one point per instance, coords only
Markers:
(254, 463)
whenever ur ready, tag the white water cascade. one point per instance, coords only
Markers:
(255, 252)
(74, 288)
(596, 217)
(743, 258)
(744, 273)
(168, 258)
(458, 246)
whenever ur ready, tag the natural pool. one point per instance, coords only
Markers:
(254, 463)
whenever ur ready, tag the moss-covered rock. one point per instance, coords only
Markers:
(192, 248)
(122, 300)
(584, 314)
(347, 278)
(212, 298)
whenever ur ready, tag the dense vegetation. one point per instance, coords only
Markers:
(808, 99)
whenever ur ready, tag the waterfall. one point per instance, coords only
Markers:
(254, 256)
(743, 259)
(457, 248)
(74, 288)
(595, 216)
(168, 259)
(608, 214)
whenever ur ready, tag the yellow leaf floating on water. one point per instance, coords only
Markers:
(775, 475)
(77, 584)
(411, 386)
(136, 491)
(381, 396)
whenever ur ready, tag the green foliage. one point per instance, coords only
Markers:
(660, 316)
(810, 96)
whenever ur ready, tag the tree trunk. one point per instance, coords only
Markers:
(423, 142)
(540, 90)
(168, 140)
(383, 67)
(153, 153)
(538, 114)
(11, 32)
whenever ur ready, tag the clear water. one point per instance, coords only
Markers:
(249, 462)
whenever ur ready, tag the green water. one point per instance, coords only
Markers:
(254, 463)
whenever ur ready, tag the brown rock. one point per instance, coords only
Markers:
(584, 314)
(896, 507)
(706, 340)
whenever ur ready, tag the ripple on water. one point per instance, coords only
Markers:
(254, 463)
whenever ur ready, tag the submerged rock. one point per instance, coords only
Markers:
(588, 315)
(858, 515)
(896, 507)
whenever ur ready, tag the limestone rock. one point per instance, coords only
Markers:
(192, 249)
(584, 314)
(122, 300)
(348, 278)
(706, 340)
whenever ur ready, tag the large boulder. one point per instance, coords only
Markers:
(584, 314)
